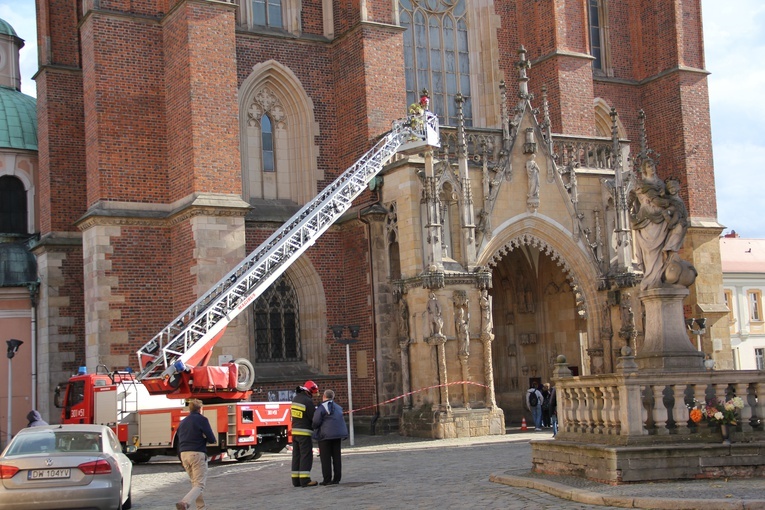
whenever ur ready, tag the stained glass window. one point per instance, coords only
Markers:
(267, 144)
(436, 55)
(277, 331)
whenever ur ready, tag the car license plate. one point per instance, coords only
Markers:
(48, 474)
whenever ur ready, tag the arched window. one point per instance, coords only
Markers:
(277, 329)
(436, 55)
(267, 144)
(13, 206)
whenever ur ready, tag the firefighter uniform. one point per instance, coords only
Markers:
(303, 410)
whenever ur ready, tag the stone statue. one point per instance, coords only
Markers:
(403, 319)
(434, 316)
(532, 169)
(463, 334)
(487, 322)
(660, 221)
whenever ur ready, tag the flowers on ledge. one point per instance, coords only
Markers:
(719, 411)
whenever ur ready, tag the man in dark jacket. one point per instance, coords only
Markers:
(35, 419)
(330, 429)
(194, 433)
(303, 409)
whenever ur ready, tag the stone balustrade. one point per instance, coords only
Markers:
(629, 407)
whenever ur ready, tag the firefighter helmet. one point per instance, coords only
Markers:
(311, 387)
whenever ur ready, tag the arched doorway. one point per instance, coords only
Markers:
(536, 318)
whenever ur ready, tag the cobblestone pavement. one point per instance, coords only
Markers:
(394, 472)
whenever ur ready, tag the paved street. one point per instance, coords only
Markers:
(388, 472)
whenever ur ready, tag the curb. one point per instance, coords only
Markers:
(595, 498)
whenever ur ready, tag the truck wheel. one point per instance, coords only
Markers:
(245, 374)
(247, 458)
(139, 457)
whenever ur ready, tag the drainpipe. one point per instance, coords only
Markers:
(33, 289)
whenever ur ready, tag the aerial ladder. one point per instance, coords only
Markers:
(166, 361)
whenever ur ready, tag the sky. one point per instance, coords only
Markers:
(734, 33)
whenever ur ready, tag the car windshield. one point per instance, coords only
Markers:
(47, 441)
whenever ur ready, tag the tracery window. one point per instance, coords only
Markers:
(267, 144)
(436, 55)
(277, 329)
(599, 38)
(13, 206)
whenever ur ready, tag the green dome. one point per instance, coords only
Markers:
(18, 120)
(6, 28)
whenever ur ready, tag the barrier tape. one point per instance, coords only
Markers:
(473, 383)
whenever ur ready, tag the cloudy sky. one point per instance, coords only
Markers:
(734, 46)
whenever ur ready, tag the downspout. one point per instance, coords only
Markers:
(33, 289)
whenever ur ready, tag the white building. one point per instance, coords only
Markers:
(743, 265)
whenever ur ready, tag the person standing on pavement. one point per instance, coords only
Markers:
(554, 410)
(303, 410)
(545, 390)
(534, 405)
(330, 429)
(194, 434)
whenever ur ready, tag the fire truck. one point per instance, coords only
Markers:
(145, 408)
(145, 424)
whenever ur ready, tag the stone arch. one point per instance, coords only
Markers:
(553, 240)
(274, 89)
(313, 312)
(603, 120)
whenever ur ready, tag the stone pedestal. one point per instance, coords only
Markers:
(666, 346)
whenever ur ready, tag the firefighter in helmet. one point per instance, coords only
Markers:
(302, 432)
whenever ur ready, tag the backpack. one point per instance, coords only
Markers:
(533, 400)
(546, 402)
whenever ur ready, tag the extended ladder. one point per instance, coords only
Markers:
(189, 339)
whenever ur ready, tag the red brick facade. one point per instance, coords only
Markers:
(139, 115)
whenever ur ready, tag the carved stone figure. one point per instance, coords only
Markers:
(403, 319)
(463, 334)
(434, 316)
(532, 169)
(487, 322)
(660, 222)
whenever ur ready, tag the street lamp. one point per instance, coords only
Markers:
(337, 332)
(698, 327)
(13, 346)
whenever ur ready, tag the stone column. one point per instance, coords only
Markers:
(440, 342)
(666, 346)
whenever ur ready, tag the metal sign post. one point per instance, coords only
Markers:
(337, 332)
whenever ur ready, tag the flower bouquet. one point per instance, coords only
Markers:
(718, 411)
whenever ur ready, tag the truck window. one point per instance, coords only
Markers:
(246, 416)
(76, 393)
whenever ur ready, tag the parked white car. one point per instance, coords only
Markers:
(65, 466)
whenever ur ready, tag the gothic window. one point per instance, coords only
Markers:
(436, 55)
(599, 45)
(13, 206)
(267, 13)
(267, 144)
(277, 330)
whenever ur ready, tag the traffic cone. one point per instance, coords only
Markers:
(523, 424)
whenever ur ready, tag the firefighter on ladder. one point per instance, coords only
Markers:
(302, 431)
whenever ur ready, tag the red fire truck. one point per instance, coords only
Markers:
(145, 423)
